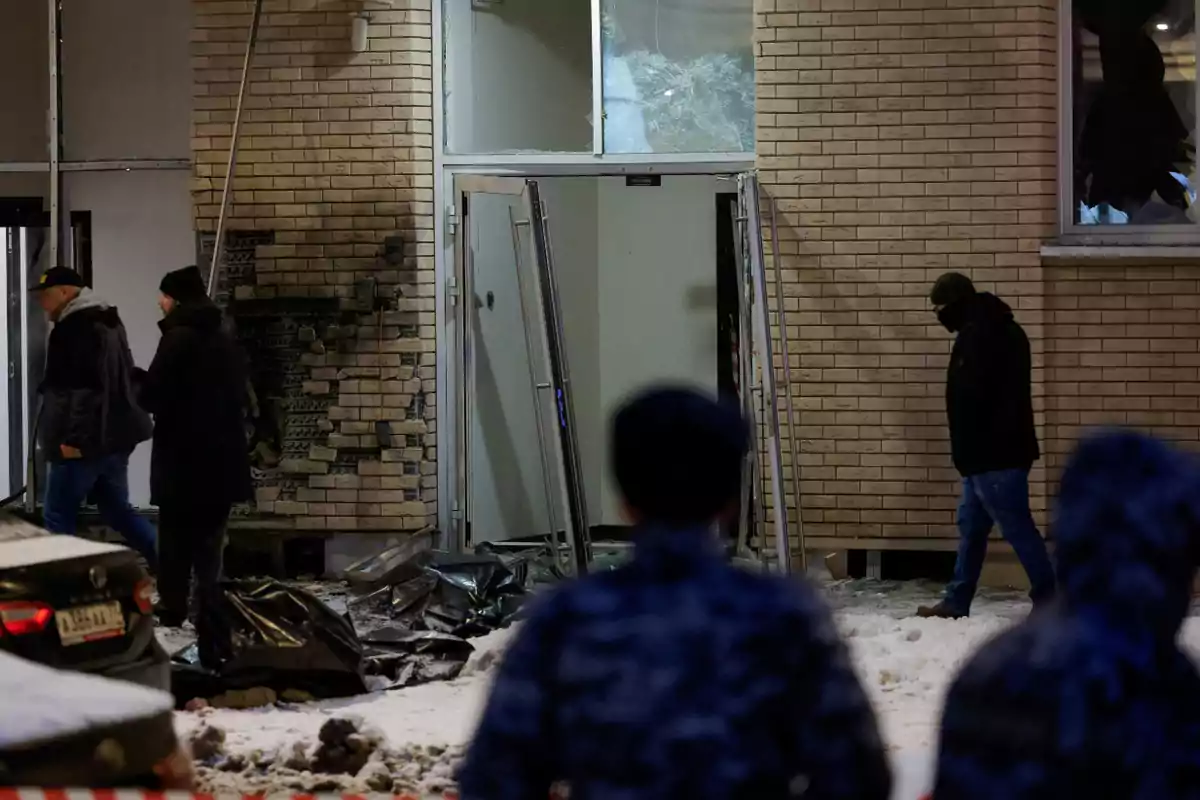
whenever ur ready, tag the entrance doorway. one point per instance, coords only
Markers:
(646, 289)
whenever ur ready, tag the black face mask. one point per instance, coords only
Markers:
(953, 316)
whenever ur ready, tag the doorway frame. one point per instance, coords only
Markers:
(448, 350)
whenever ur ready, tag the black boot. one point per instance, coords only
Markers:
(939, 610)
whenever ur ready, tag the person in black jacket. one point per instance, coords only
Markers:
(992, 440)
(1093, 697)
(90, 421)
(196, 389)
(678, 675)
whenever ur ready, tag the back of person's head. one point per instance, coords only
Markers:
(1127, 530)
(677, 456)
(951, 288)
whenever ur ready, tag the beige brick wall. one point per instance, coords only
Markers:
(900, 139)
(336, 155)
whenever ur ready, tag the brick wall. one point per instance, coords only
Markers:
(901, 139)
(336, 162)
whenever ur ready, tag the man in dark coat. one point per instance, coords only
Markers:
(90, 421)
(678, 675)
(1093, 698)
(196, 389)
(992, 440)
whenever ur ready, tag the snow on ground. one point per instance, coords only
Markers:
(906, 665)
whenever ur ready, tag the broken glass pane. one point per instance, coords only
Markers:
(1134, 112)
(678, 76)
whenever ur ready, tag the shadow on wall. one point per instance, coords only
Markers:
(869, 364)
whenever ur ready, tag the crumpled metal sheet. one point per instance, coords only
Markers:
(392, 565)
(407, 658)
(284, 638)
(462, 595)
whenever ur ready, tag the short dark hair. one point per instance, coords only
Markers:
(677, 455)
(950, 288)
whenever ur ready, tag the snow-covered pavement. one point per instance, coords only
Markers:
(906, 664)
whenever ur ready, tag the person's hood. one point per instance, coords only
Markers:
(986, 307)
(1126, 534)
(87, 300)
(202, 315)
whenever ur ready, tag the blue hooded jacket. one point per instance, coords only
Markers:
(677, 676)
(1093, 697)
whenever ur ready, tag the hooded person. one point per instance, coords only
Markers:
(196, 390)
(90, 421)
(989, 408)
(1093, 698)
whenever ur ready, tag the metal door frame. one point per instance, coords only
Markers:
(550, 339)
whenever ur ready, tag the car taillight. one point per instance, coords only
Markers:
(143, 595)
(21, 619)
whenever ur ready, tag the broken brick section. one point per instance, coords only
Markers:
(336, 165)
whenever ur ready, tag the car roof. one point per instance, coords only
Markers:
(42, 704)
(23, 544)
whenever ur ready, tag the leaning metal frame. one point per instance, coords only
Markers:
(757, 362)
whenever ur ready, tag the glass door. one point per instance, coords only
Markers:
(25, 330)
(518, 475)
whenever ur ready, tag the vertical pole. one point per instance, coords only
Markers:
(227, 190)
(597, 78)
(789, 392)
(53, 128)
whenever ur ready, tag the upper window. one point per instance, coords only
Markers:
(1133, 119)
(678, 76)
(615, 77)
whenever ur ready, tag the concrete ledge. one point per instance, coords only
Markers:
(1124, 255)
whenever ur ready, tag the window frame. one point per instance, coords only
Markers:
(443, 85)
(1069, 231)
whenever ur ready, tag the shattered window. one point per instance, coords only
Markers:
(1134, 109)
(678, 76)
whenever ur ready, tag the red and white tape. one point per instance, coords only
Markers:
(138, 794)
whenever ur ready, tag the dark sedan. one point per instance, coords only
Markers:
(77, 604)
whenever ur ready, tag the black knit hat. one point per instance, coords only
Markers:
(950, 288)
(184, 285)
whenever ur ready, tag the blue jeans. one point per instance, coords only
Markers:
(68, 485)
(1000, 497)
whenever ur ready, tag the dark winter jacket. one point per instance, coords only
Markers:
(87, 394)
(1093, 698)
(196, 389)
(677, 676)
(988, 396)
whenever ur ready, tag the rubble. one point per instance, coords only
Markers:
(347, 758)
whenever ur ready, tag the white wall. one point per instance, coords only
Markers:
(518, 76)
(141, 228)
(126, 79)
(636, 271)
(657, 295)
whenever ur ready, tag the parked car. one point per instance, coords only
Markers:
(79, 605)
(62, 729)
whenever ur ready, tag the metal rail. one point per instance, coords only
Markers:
(227, 190)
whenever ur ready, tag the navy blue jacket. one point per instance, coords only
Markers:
(1093, 698)
(677, 676)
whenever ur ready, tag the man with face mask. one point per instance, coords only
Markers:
(992, 439)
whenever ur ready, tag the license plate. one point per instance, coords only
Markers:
(90, 623)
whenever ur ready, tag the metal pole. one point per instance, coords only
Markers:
(53, 130)
(226, 191)
(785, 351)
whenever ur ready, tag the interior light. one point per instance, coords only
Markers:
(1162, 26)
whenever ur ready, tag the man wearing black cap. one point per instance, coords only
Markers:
(992, 439)
(90, 420)
(196, 389)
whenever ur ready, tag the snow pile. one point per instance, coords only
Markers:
(410, 739)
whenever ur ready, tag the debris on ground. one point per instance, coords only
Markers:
(347, 758)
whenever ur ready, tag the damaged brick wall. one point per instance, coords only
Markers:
(336, 305)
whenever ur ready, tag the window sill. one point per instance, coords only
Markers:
(1150, 254)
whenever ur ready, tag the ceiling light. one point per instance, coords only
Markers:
(1162, 26)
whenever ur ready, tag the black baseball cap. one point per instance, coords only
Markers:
(58, 276)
